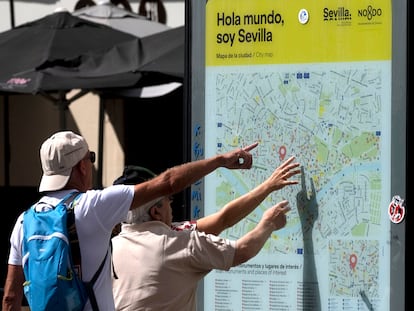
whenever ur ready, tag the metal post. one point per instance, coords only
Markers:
(12, 13)
(6, 129)
(100, 141)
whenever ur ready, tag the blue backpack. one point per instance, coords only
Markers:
(52, 282)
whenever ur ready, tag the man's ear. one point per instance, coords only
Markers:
(81, 167)
(154, 213)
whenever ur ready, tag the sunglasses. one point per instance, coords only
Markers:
(92, 156)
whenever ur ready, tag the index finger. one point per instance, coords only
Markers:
(250, 147)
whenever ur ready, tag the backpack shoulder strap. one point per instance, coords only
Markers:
(64, 200)
(89, 285)
(70, 197)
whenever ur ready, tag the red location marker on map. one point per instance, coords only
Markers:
(352, 261)
(282, 152)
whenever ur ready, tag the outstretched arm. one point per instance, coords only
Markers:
(252, 242)
(176, 179)
(239, 208)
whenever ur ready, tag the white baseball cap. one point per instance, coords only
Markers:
(58, 154)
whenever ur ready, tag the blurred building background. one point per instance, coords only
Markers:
(145, 131)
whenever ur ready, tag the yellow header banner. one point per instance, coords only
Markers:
(278, 31)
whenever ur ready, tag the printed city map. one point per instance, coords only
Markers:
(335, 120)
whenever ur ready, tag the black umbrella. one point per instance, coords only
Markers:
(164, 69)
(60, 52)
(118, 18)
(167, 50)
(64, 52)
(166, 59)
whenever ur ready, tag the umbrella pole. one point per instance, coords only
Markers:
(6, 141)
(63, 104)
(12, 12)
(100, 140)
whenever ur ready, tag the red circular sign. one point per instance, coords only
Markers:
(396, 210)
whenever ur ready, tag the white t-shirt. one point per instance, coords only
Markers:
(96, 214)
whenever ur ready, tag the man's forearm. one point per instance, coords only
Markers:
(13, 289)
(182, 176)
(251, 243)
(239, 208)
(175, 179)
(179, 177)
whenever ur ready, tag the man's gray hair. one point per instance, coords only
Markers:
(141, 214)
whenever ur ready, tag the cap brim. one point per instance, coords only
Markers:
(54, 182)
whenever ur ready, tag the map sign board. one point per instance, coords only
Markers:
(310, 79)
